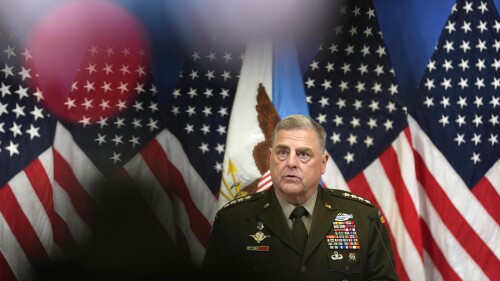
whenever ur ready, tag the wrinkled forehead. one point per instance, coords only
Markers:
(302, 137)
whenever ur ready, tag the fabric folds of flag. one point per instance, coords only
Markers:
(455, 130)
(352, 92)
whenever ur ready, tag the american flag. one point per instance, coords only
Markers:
(352, 91)
(455, 129)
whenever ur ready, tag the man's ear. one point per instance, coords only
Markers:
(324, 161)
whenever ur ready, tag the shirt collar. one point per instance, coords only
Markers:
(288, 207)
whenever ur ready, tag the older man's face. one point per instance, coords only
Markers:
(296, 163)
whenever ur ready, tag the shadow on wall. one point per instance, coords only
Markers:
(128, 243)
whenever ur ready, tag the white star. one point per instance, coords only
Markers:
(429, 102)
(480, 64)
(138, 106)
(446, 83)
(226, 75)
(195, 56)
(85, 121)
(352, 139)
(223, 111)
(37, 113)
(481, 45)
(355, 122)
(205, 129)
(448, 46)
(444, 120)
(12, 148)
(349, 157)
(314, 65)
(152, 124)
(194, 74)
(450, 27)
(349, 50)
(478, 120)
(218, 167)
(123, 88)
(134, 140)
(189, 128)
(341, 103)
(370, 13)
(482, 7)
(110, 51)
(103, 121)
(208, 93)
(126, 52)
(445, 102)
(221, 130)
(70, 103)
(8, 71)
(357, 104)
(323, 101)
(343, 86)
(368, 141)
(139, 88)
(327, 84)
(429, 84)
(219, 148)
(338, 120)
(204, 148)
(377, 88)
(117, 140)
(346, 68)
(379, 69)
(493, 139)
(321, 118)
(476, 139)
(136, 123)
(463, 83)
(431, 65)
(329, 67)
(39, 95)
(353, 31)
(497, 26)
(22, 92)
(333, 48)
(153, 107)
(106, 86)
(459, 139)
(468, 7)
(372, 123)
(3, 108)
(495, 83)
(309, 83)
(210, 75)
(356, 11)
(393, 89)
(25, 73)
(374, 105)
(91, 68)
(466, 27)
(175, 110)
(391, 107)
(27, 55)
(360, 86)
(10, 51)
(460, 120)
(447, 65)
(5, 89)
(87, 103)
(479, 83)
(335, 137)
(211, 56)
(116, 157)
(108, 68)
(496, 64)
(388, 124)
(464, 64)
(19, 111)
(462, 102)
(227, 57)
(475, 157)
(496, 45)
(121, 105)
(192, 93)
(224, 93)
(465, 46)
(495, 101)
(33, 132)
(100, 139)
(89, 86)
(16, 129)
(380, 51)
(363, 68)
(120, 122)
(482, 26)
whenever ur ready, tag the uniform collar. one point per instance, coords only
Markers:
(288, 207)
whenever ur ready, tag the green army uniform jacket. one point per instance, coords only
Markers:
(251, 240)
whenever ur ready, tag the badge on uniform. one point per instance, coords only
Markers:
(345, 237)
(343, 217)
(336, 256)
(259, 236)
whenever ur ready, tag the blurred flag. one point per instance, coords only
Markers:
(351, 91)
(455, 130)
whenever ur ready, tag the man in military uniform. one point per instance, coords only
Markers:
(297, 230)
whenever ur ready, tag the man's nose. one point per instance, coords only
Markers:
(292, 161)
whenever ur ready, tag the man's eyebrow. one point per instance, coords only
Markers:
(304, 149)
(282, 146)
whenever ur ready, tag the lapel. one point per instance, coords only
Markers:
(271, 215)
(324, 214)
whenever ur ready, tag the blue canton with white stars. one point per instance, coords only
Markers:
(459, 96)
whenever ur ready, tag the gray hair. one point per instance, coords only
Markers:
(298, 121)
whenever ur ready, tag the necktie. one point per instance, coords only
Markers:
(299, 231)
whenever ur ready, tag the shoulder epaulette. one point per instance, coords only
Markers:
(244, 199)
(351, 196)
